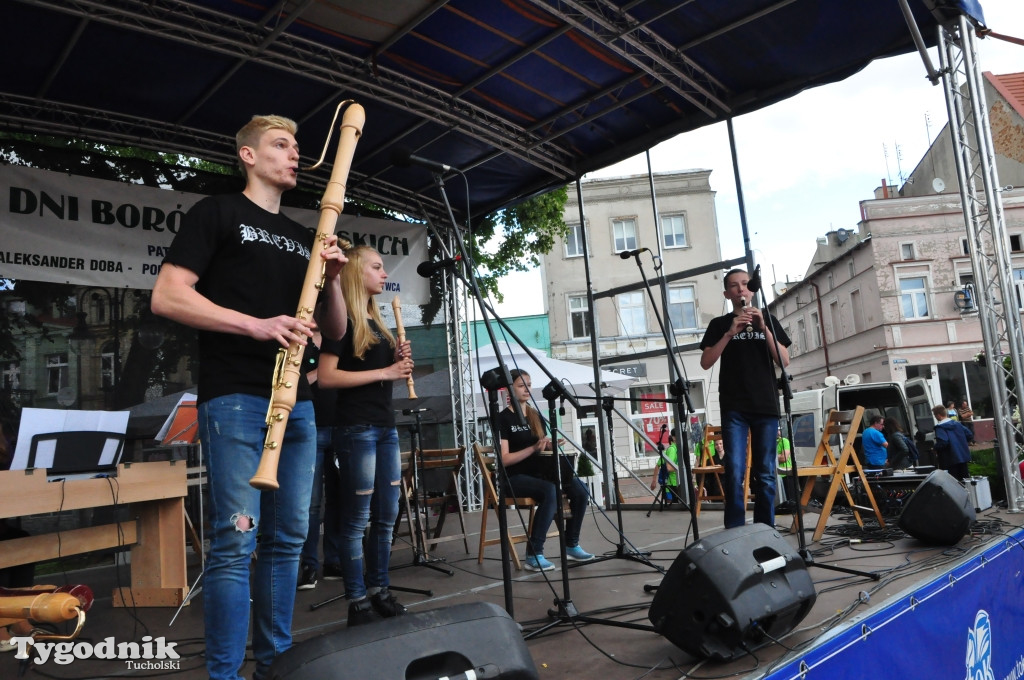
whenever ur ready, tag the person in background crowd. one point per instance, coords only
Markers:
(899, 450)
(874, 444)
(667, 469)
(784, 458)
(967, 418)
(951, 444)
(951, 410)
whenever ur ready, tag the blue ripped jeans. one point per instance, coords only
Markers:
(370, 467)
(232, 430)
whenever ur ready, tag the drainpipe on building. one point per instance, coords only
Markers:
(821, 327)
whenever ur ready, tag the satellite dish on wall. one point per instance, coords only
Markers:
(939, 185)
(842, 235)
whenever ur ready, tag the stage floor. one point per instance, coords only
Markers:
(611, 590)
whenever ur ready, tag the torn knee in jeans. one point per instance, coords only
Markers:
(243, 522)
(364, 492)
(397, 482)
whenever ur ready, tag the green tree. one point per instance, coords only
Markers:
(508, 240)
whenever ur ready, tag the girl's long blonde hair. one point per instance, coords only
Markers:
(533, 418)
(358, 300)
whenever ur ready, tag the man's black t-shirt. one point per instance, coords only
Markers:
(746, 379)
(251, 261)
(520, 437)
(366, 404)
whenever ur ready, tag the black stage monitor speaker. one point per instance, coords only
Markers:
(467, 640)
(725, 592)
(939, 511)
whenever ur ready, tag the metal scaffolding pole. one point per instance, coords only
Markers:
(988, 243)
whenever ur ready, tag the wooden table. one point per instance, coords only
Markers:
(156, 534)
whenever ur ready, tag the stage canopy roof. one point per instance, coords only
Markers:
(523, 95)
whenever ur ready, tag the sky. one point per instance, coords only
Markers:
(806, 163)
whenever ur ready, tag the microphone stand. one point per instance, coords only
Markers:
(421, 556)
(497, 379)
(565, 611)
(787, 398)
(680, 390)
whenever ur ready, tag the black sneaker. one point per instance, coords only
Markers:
(307, 577)
(332, 572)
(386, 605)
(360, 613)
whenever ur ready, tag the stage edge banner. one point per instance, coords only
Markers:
(965, 623)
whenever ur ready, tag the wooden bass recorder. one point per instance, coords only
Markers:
(284, 386)
(396, 307)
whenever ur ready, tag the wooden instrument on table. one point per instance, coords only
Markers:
(396, 306)
(46, 604)
(284, 386)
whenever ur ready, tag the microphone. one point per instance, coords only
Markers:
(746, 303)
(626, 254)
(411, 411)
(754, 284)
(404, 157)
(427, 269)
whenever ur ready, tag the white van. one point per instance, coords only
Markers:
(811, 408)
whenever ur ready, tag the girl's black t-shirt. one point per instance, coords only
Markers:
(520, 437)
(368, 404)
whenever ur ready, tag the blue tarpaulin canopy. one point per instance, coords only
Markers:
(523, 95)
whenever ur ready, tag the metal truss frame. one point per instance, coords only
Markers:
(987, 239)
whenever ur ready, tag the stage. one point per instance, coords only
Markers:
(921, 616)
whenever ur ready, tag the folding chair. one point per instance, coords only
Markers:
(844, 425)
(485, 461)
(450, 463)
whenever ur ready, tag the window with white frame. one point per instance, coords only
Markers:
(56, 372)
(682, 307)
(673, 229)
(1015, 243)
(856, 311)
(579, 317)
(624, 234)
(11, 375)
(1018, 284)
(852, 268)
(107, 369)
(632, 313)
(815, 330)
(907, 251)
(914, 297)
(801, 334)
(837, 323)
(574, 241)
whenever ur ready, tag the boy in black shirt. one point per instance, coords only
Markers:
(747, 397)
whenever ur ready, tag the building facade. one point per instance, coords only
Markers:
(893, 300)
(619, 218)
